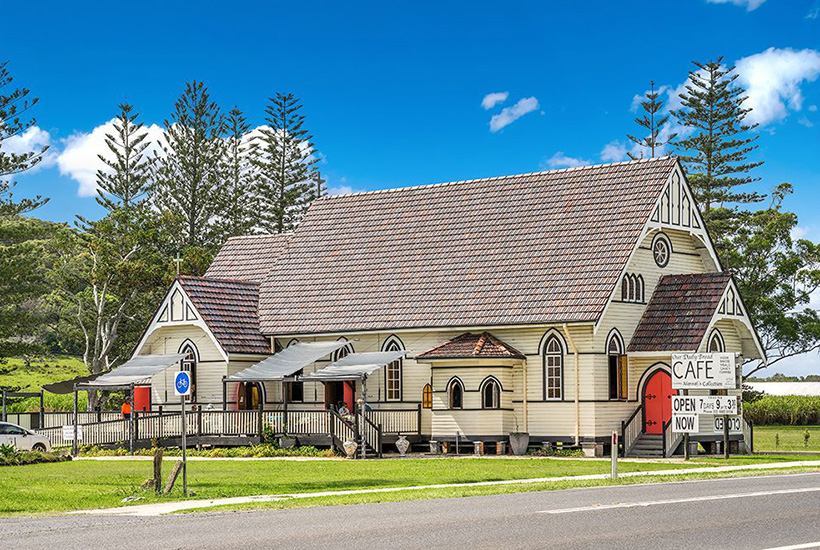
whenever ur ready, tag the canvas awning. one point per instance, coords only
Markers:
(137, 370)
(355, 366)
(67, 386)
(287, 362)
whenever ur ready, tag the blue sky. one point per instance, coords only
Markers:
(393, 91)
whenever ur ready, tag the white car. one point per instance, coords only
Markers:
(23, 439)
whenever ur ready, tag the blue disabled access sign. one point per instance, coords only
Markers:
(182, 383)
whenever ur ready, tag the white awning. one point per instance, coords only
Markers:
(287, 362)
(138, 370)
(355, 366)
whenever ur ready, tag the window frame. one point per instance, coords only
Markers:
(189, 364)
(668, 243)
(427, 396)
(546, 355)
(491, 382)
(617, 367)
(395, 368)
(716, 336)
(455, 382)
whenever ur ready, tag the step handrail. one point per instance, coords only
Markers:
(371, 434)
(629, 431)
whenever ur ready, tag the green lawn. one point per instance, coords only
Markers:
(791, 438)
(49, 488)
(44, 488)
(15, 374)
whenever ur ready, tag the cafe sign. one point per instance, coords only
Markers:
(698, 371)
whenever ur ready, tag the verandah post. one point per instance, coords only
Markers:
(259, 420)
(42, 411)
(74, 446)
(131, 423)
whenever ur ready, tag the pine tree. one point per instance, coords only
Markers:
(189, 174)
(238, 214)
(715, 153)
(653, 122)
(127, 182)
(14, 107)
(285, 158)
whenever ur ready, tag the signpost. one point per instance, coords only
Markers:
(703, 371)
(182, 388)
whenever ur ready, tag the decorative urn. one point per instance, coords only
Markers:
(402, 445)
(350, 448)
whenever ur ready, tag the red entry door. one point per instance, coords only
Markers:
(657, 402)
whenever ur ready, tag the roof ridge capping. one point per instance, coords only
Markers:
(495, 178)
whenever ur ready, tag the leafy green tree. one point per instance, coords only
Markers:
(715, 152)
(285, 160)
(126, 181)
(776, 275)
(653, 122)
(190, 170)
(108, 275)
(24, 262)
(238, 216)
(14, 107)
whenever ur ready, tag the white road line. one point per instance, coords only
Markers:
(596, 507)
(797, 546)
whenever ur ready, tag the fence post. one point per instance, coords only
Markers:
(259, 421)
(198, 426)
(42, 411)
(161, 431)
(74, 445)
(136, 426)
(131, 424)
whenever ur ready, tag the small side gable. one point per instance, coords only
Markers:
(177, 309)
(731, 308)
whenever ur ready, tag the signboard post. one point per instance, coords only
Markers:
(614, 451)
(703, 371)
(182, 388)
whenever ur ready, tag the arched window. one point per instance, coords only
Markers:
(632, 288)
(553, 369)
(296, 390)
(188, 364)
(427, 397)
(455, 393)
(341, 352)
(618, 366)
(716, 343)
(490, 394)
(393, 371)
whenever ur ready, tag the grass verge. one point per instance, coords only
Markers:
(460, 492)
(82, 484)
(787, 438)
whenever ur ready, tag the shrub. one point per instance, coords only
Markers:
(789, 410)
(9, 456)
(254, 451)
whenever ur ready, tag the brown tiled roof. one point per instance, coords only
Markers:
(534, 248)
(472, 346)
(229, 308)
(678, 314)
(247, 258)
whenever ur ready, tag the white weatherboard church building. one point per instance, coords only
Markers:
(545, 303)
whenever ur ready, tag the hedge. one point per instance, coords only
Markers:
(787, 410)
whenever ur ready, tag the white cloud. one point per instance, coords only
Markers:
(772, 80)
(340, 190)
(508, 115)
(800, 232)
(750, 5)
(813, 13)
(79, 158)
(491, 100)
(560, 160)
(33, 139)
(804, 121)
(812, 108)
(614, 151)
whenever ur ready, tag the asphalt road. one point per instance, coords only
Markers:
(781, 511)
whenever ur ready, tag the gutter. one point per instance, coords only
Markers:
(577, 386)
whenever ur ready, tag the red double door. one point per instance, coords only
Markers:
(657, 402)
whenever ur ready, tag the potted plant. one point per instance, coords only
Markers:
(519, 441)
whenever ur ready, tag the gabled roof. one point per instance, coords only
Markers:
(229, 309)
(472, 346)
(679, 312)
(533, 248)
(247, 258)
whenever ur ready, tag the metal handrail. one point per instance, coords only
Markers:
(629, 433)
